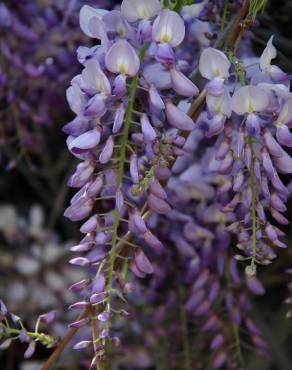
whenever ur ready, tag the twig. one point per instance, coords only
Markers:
(63, 343)
(238, 26)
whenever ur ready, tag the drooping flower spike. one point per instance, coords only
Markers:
(256, 186)
(129, 131)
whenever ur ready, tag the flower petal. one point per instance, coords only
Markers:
(284, 136)
(155, 99)
(178, 119)
(252, 124)
(91, 22)
(157, 204)
(285, 115)
(94, 78)
(273, 147)
(87, 141)
(143, 262)
(122, 59)
(268, 54)
(213, 63)
(133, 10)
(75, 98)
(169, 28)
(107, 151)
(284, 163)
(147, 129)
(182, 85)
(249, 99)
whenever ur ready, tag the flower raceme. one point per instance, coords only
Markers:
(250, 151)
(126, 151)
(131, 122)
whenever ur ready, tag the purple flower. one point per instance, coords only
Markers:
(182, 85)
(283, 134)
(94, 79)
(82, 345)
(30, 350)
(91, 22)
(87, 141)
(273, 71)
(178, 119)
(147, 129)
(142, 263)
(48, 317)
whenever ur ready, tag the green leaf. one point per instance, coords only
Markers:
(255, 7)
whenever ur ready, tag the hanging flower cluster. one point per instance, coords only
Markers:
(253, 127)
(144, 187)
(127, 146)
(12, 328)
(214, 296)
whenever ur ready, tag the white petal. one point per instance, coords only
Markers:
(198, 31)
(280, 90)
(268, 54)
(249, 99)
(219, 104)
(94, 78)
(286, 113)
(194, 10)
(122, 58)
(75, 98)
(169, 27)
(133, 10)
(115, 22)
(213, 63)
(91, 21)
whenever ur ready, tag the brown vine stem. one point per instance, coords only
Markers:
(63, 343)
(238, 26)
(231, 39)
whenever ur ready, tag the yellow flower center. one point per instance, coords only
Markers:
(166, 34)
(123, 68)
(143, 11)
(250, 108)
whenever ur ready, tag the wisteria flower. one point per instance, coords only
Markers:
(219, 107)
(214, 66)
(248, 100)
(168, 28)
(91, 22)
(274, 71)
(283, 134)
(133, 10)
(122, 59)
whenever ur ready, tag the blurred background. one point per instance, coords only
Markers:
(38, 41)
